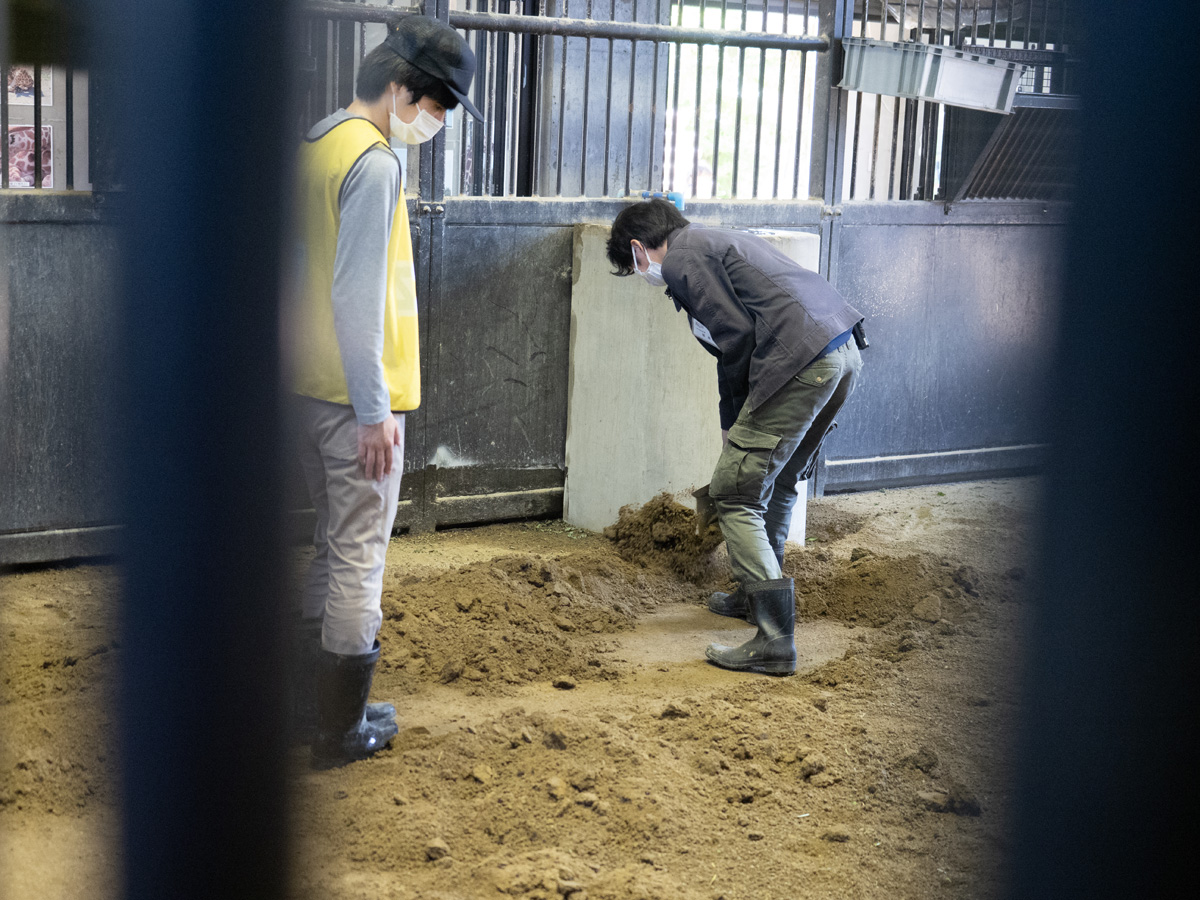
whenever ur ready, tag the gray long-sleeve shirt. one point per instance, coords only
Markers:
(368, 199)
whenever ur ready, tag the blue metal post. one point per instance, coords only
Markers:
(205, 131)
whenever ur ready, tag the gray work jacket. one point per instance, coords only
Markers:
(768, 317)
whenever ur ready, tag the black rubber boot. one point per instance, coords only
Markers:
(344, 734)
(772, 650)
(734, 605)
(304, 685)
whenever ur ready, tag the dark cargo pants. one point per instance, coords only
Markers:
(754, 485)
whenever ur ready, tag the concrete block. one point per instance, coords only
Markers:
(642, 400)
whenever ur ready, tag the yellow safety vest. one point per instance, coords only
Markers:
(322, 167)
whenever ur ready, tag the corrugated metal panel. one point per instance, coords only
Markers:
(1029, 157)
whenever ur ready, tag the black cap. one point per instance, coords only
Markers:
(438, 50)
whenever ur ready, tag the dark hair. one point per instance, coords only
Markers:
(649, 221)
(383, 65)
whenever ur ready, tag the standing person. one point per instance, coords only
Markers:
(787, 359)
(357, 366)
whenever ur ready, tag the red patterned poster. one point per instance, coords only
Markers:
(20, 156)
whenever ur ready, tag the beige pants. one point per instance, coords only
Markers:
(354, 524)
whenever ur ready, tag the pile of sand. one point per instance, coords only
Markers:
(662, 534)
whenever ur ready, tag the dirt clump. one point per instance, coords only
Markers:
(661, 533)
(517, 618)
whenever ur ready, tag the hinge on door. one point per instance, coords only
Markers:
(828, 212)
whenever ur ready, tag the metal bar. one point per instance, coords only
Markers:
(1029, 25)
(897, 112)
(855, 123)
(787, 8)
(37, 125)
(587, 80)
(720, 84)
(937, 29)
(674, 116)
(518, 75)
(975, 22)
(475, 21)
(654, 106)
(779, 120)
(992, 26)
(875, 144)
(539, 126)
(762, 76)
(800, 107)
(908, 148)
(737, 121)
(900, 25)
(957, 23)
(921, 22)
(4, 136)
(696, 127)
(69, 109)
(633, 49)
(562, 114)
(608, 102)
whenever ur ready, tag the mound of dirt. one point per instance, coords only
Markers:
(506, 620)
(662, 533)
(871, 589)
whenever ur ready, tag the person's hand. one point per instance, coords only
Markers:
(724, 436)
(375, 443)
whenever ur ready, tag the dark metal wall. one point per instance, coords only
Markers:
(960, 311)
(57, 330)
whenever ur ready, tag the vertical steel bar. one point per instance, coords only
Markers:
(464, 144)
(1027, 39)
(675, 48)
(69, 110)
(1045, 23)
(937, 33)
(921, 21)
(494, 130)
(4, 135)
(992, 25)
(762, 77)
(587, 77)
(538, 124)
(37, 125)
(1008, 25)
(903, 15)
(779, 112)
(608, 141)
(562, 111)
(737, 124)
(696, 126)
(633, 48)
(720, 83)
(650, 185)
(854, 123)
(800, 108)
(957, 41)
(517, 74)
(878, 111)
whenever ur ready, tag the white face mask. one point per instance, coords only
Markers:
(418, 131)
(653, 271)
